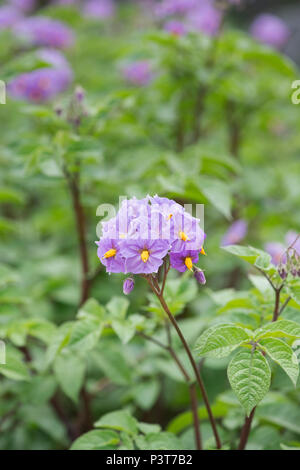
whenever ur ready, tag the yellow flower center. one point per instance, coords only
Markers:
(170, 216)
(145, 255)
(189, 263)
(110, 253)
(183, 236)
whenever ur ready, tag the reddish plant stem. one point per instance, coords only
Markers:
(192, 389)
(246, 430)
(277, 311)
(81, 231)
(192, 361)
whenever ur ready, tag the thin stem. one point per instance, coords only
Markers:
(192, 361)
(81, 231)
(192, 389)
(284, 305)
(246, 430)
(277, 304)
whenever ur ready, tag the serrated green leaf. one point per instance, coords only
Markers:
(258, 258)
(278, 329)
(96, 440)
(219, 341)
(283, 355)
(249, 375)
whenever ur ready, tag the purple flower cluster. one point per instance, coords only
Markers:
(138, 239)
(277, 250)
(9, 16)
(99, 9)
(43, 84)
(43, 31)
(174, 7)
(138, 73)
(270, 30)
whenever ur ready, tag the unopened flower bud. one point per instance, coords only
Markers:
(294, 272)
(199, 276)
(282, 273)
(128, 285)
(79, 94)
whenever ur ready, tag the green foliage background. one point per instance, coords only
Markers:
(215, 126)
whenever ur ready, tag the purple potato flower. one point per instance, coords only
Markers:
(270, 30)
(43, 31)
(9, 16)
(236, 233)
(99, 9)
(138, 73)
(109, 253)
(175, 27)
(184, 260)
(144, 231)
(144, 256)
(206, 18)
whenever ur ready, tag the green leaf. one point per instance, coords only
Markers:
(118, 307)
(147, 428)
(158, 441)
(14, 368)
(85, 334)
(92, 309)
(258, 258)
(283, 355)
(145, 393)
(119, 420)
(69, 370)
(124, 330)
(280, 329)
(294, 290)
(249, 375)
(285, 415)
(219, 341)
(96, 440)
(218, 194)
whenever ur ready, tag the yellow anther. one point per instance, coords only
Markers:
(189, 263)
(183, 236)
(110, 253)
(145, 255)
(170, 216)
(202, 252)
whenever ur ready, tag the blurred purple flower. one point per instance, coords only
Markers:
(43, 31)
(39, 85)
(174, 7)
(271, 30)
(23, 5)
(290, 238)
(99, 9)
(9, 16)
(44, 83)
(138, 73)
(205, 18)
(236, 233)
(177, 28)
(276, 250)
